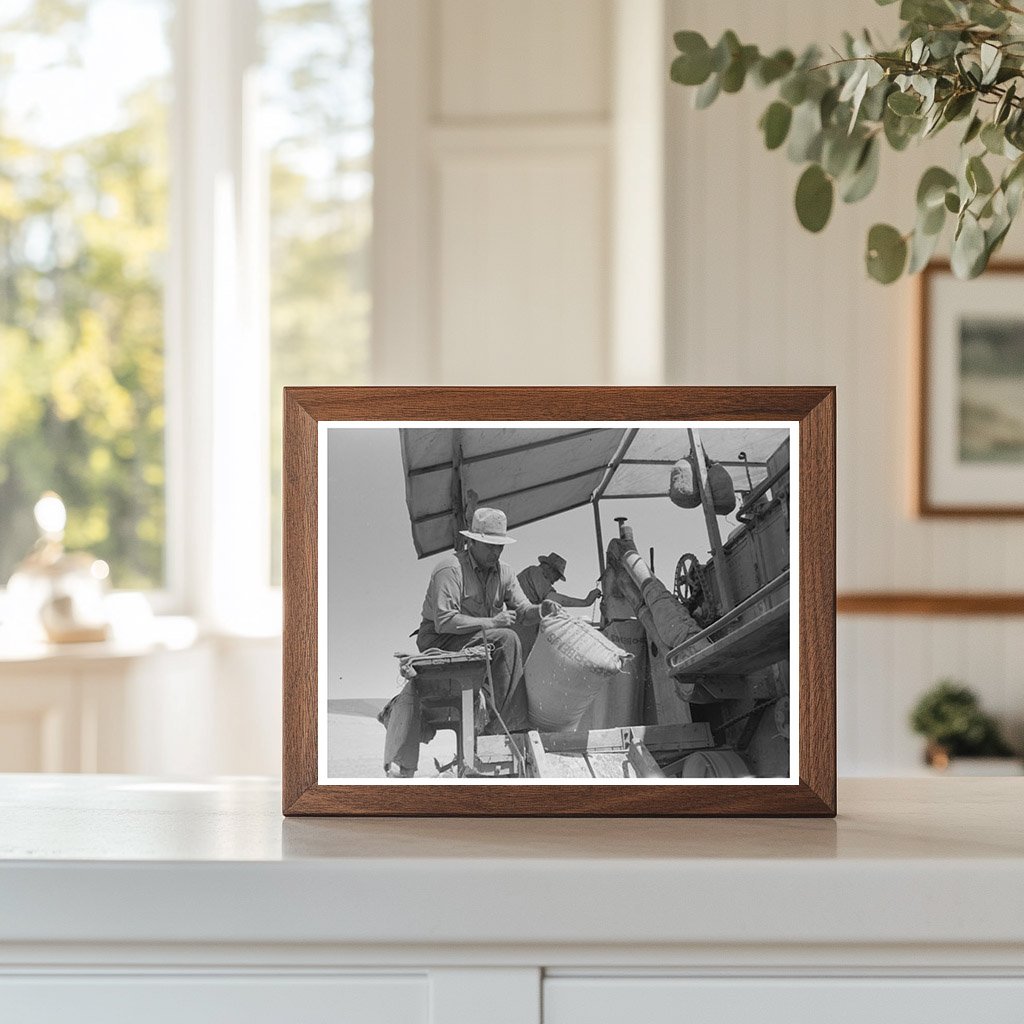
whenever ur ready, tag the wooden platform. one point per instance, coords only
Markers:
(595, 753)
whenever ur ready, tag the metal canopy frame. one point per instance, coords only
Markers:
(624, 455)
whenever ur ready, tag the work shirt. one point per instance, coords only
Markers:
(536, 586)
(459, 588)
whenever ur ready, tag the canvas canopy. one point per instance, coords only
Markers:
(533, 473)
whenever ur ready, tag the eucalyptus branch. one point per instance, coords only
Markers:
(833, 117)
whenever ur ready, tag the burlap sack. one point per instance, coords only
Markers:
(569, 665)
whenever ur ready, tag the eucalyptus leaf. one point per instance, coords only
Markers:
(1005, 104)
(932, 221)
(771, 69)
(958, 105)
(900, 130)
(973, 129)
(1014, 191)
(707, 93)
(794, 88)
(993, 138)
(735, 74)
(775, 124)
(991, 60)
(873, 106)
(865, 173)
(886, 253)
(840, 152)
(968, 247)
(978, 176)
(922, 248)
(987, 15)
(952, 202)
(828, 104)
(805, 133)
(814, 195)
(725, 50)
(995, 233)
(903, 103)
(933, 122)
(925, 88)
(931, 190)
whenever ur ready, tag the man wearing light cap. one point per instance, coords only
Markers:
(470, 591)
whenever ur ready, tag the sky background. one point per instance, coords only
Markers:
(376, 583)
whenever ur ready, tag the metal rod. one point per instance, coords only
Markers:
(616, 461)
(672, 462)
(761, 489)
(600, 538)
(458, 499)
(711, 520)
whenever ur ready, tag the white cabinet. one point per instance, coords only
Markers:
(824, 1000)
(131, 899)
(199, 999)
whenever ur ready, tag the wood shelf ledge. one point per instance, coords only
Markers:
(928, 603)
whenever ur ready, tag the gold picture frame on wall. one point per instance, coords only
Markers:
(365, 467)
(970, 387)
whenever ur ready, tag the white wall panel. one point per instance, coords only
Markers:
(752, 298)
(522, 296)
(530, 58)
(493, 204)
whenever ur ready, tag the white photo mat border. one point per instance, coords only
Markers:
(323, 426)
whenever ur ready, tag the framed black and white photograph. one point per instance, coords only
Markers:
(970, 452)
(492, 613)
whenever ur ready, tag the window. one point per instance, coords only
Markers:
(317, 117)
(185, 221)
(83, 235)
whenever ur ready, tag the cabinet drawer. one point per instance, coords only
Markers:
(569, 1000)
(202, 999)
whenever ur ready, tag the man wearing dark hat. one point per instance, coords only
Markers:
(538, 583)
(470, 591)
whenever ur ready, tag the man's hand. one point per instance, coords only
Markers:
(504, 619)
(592, 596)
(549, 607)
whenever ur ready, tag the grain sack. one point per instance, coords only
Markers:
(569, 665)
(723, 493)
(683, 488)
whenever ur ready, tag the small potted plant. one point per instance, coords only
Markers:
(950, 717)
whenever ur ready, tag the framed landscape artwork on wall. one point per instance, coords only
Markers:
(559, 601)
(970, 445)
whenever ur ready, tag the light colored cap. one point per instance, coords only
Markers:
(489, 526)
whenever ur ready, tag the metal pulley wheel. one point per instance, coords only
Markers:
(687, 583)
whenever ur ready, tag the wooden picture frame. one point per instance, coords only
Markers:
(808, 413)
(961, 471)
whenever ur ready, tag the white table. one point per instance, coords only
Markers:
(198, 902)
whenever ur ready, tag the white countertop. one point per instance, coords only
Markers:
(124, 859)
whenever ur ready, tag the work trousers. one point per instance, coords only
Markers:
(404, 721)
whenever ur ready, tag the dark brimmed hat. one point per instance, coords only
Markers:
(557, 562)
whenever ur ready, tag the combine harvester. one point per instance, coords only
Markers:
(706, 692)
